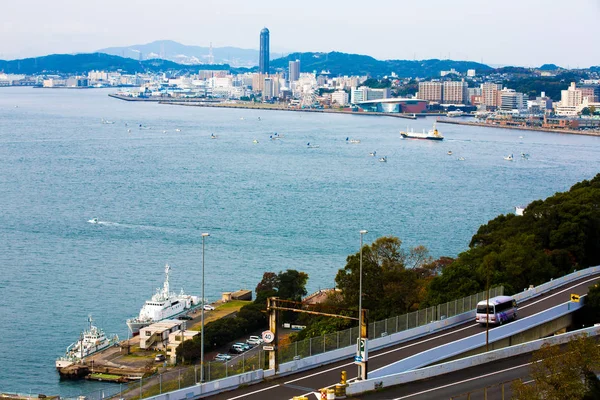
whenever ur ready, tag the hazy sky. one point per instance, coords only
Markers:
(515, 32)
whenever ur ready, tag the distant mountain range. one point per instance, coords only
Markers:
(355, 64)
(184, 54)
(82, 63)
(335, 63)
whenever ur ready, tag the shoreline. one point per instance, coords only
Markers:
(257, 106)
(522, 128)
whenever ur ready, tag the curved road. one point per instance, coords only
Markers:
(304, 383)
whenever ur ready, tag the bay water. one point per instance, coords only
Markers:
(268, 206)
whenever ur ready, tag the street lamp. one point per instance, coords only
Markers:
(360, 321)
(204, 235)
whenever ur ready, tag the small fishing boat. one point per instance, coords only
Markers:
(312, 146)
(509, 157)
(94, 221)
(450, 152)
(373, 153)
(383, 159)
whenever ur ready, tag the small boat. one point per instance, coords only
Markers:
(143, 127)
(94, 221)
(312, 146)
(213, 136)
(255, 141)
(456, 113)
(128, 130)
(242, 118)
(461, 159)
(525, 156)
(273, 137)
(509, 157)
(520, 137)
(433, 134)
(519, 210)
(164, 131)
(259, 118)
(177, 130)
(373, 153)
(106, 122)
(353, 141)
(383, 159)
(450, 152)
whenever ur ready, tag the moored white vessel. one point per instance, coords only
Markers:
(91, 341)
(164, 304)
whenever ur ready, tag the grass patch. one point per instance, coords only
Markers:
(220, 312)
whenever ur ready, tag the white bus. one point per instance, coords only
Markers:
(501, 309)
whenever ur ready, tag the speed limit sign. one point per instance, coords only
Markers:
(268, 336)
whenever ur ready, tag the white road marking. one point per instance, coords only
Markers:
(401, 348)
(460, 382)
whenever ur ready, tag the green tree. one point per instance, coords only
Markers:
(562, 374)
(392, 278)
(292, 285)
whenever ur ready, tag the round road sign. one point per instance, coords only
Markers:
(268, 336)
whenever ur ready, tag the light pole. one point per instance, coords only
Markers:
(204, 235)
(360, 321)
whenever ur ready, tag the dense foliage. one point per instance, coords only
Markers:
(289, 284)
(82, 63)
(563, 373)
(552, 238)
(552, 85)
(361, 65)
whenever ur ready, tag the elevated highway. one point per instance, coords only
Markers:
(310, 381)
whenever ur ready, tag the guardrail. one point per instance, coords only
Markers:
(440, 369)
(458, 310)
(462, 346)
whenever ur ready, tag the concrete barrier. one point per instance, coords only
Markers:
(212, 387)
(462, 346)
(414, 333)
(440, 369)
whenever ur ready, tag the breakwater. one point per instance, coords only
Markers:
(522, 128)
(256, 106)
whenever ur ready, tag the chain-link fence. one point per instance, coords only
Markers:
(332, 341)
(255, 359)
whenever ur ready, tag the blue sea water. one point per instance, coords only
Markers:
(268, 206)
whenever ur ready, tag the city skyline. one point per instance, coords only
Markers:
(463, 30)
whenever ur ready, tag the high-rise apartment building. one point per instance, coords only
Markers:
(263, 60)
(572, 97)
(430, 91)
(490, 94)
(455, 92)
(294, 71)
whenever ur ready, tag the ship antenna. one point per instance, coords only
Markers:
(166, 285)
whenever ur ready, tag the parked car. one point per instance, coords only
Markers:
(254, 340)
(244, 346)
(236, 349)
(208, 307)
(159, 358)
(222, 357)
(184, 317)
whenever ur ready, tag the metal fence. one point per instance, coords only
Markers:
(255, 359)
(184, 376)
(332, 341)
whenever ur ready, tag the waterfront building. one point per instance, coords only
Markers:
(490, 95)
(511, 100)
(294, 71)
(455, 92)
(263, 60)
(340, 97)
(364, 93)
(570, 100)
(156, 336)
(430, 91)
(267, 92)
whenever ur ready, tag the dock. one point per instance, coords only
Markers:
(522, 128)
